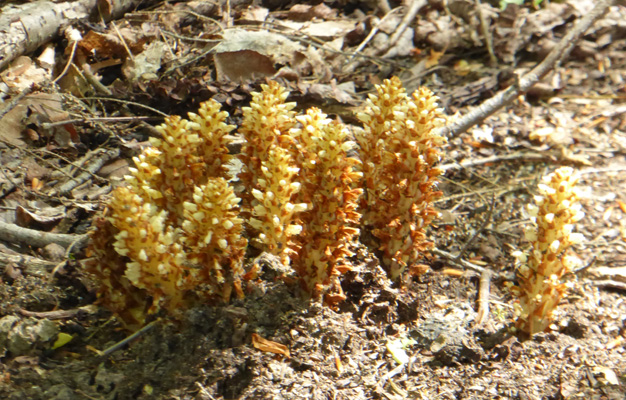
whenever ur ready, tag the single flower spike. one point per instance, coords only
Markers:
(166, 174)
(379, 120)
(155, 263)
(266, 124)
(213, 239)
(274, 211)
(329, 185)
(541, 270)
(399, 147)
(115, 292)
(209, 124)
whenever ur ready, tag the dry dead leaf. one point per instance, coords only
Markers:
(324, 30)
(255, 14)
(242, 55)
(269, 346)
(11, 125)
(242, 65)
(23, 73)
(109, 45)
(146, 64)
(44, 214)
(305, 12)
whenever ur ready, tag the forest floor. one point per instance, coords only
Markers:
(186, 53)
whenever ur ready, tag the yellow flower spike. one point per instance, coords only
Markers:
(399, 146)
(218, 248)
(266, 123)
(329, 186)
(164, 175)
(157, 268)
(209, 124)
(116, 292)
(540, 284)
(274, 212)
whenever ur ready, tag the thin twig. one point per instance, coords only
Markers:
(129, 339)
(452, 259)
(94, 166)
(483, 298)
(601, 170)
(70, 59)
(371, 35)
(60, 265)
(484, 27)
(189, 38)
(415, 6)
(58, 314)
(123, 41)
(553, 60)
(524, 156)
(93, 80)
(49, 125)
(127, 102)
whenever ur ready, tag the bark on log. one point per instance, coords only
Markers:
(25, 27)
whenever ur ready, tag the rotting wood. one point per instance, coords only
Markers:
(25, 27)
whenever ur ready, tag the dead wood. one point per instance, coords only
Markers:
(12, 233)
(25, 27)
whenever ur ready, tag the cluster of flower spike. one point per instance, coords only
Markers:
(399, 147)
(173, 235)
(541, 270)
(176, 234)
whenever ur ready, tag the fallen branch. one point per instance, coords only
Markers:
(414, 7)
(25, 27)
(12, 233)
(525, 156)
(94, 166)
(553, 60)
(59, 314)
(609, 284)
(107, 352)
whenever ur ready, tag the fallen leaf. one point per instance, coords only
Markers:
(146, 64)
(243, 65)
(242, 55)
(269, 346)
(305, 12)
(23, 73)
(44, 215)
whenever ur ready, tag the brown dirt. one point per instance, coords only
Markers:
(342, 353)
